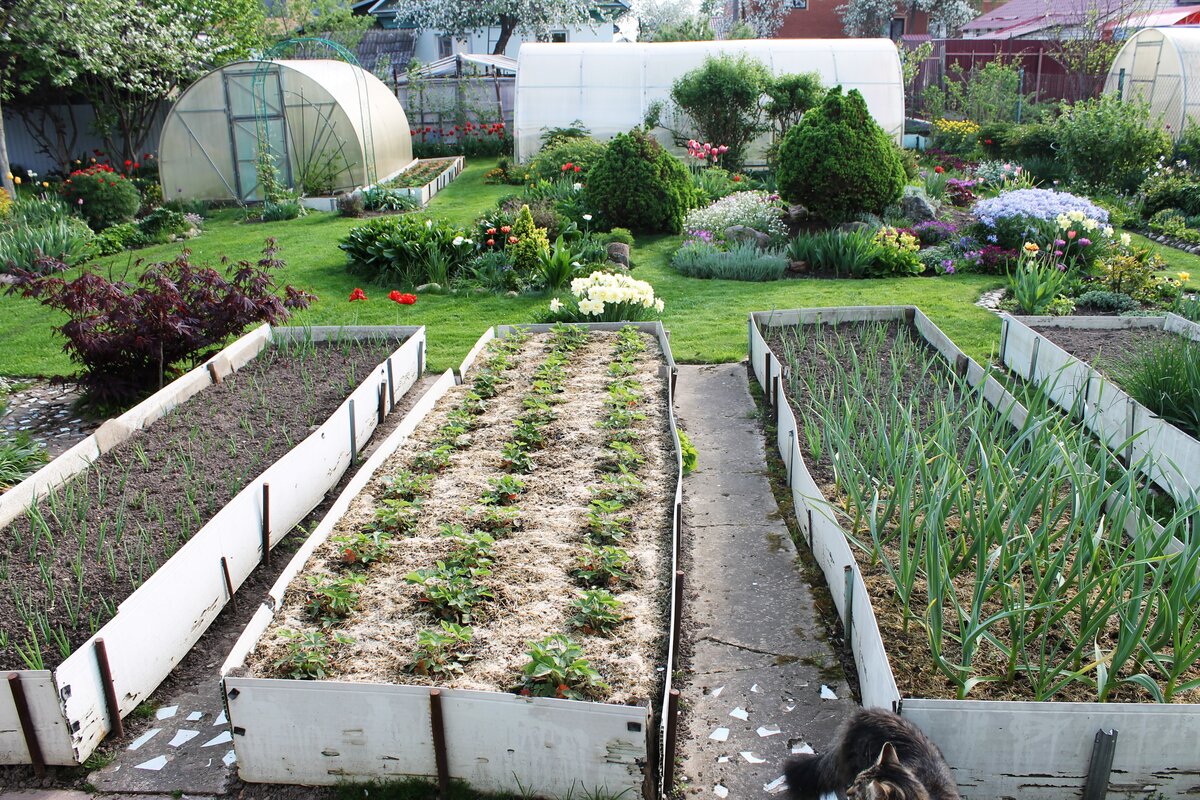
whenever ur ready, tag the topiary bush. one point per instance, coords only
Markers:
(838, 162)
(102, 196)
(530, 242)
(638, 185)
(548, 165)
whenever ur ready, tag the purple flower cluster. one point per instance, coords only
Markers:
(1043, 204)
(960, 192)
(934, 231)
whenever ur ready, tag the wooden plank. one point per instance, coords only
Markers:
(52, 735)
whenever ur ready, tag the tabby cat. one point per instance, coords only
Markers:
(876, 755)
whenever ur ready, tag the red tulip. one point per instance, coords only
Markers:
(938, 170)
(407, 299)
(491, 242)
(357, 294)
(395, 295)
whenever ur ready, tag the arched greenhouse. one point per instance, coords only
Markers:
(1161, 66)
(332, 127)
(610, 87)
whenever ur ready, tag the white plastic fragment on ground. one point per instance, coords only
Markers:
(723, 760)
(750, 757)
(717, 691)
(183, 737)
(154, 764)
(790, 707)
(166, 713)
(768, 730)
(720, 791)
(230, 759)
(801, 747)
(221, 719)
(827, 693)
(755, 688)
(740, 713)
(719, 735)
(195, 716)
(145, 737)
(220, 738)
(776, 786)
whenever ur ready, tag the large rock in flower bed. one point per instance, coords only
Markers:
(618, 253)
(742, 233)
(795, 216)
(917, 208)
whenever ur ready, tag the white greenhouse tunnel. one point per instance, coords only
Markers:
(1161, 66)
(610, 87)
(331, 125)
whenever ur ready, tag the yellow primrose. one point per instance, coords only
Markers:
(1184, 276)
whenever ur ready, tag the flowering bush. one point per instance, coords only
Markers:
(934, 231)
(757, 210)
(961, 193)
(581, 153)
(956, 136)
(101, 195)
(896, 254)
(1010, 218)
(997, 171)
(606, 297)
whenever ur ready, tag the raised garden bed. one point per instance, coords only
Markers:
(126, 556)
(469, 540)
(1170, 456)
(943, 506)
(420, 180)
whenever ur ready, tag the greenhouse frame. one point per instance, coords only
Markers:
(332, 127)
(1161, 66)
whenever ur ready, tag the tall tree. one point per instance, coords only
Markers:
(460, 17)
(134, 55)
(38, 40)
(871, 17)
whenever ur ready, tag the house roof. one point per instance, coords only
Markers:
(1018, 18)
(1177, 15)
(390, 46)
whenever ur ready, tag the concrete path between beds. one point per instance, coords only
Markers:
(762, 681)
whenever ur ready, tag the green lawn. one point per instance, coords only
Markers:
(707, 319)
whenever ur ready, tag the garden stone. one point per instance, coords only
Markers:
(618, 253)
(852, 227)
(742, 233)
(795, 216)
(429, 287)
(798, 267)
(917, 208)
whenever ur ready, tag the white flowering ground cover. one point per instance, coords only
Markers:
(551, 464)
(755, 210)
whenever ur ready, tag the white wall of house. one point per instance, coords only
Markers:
(430, 46)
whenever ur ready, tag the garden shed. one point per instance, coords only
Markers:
(332, 127)
(610, 86)
(1162, 67)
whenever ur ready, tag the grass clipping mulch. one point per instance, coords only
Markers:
(531, 571)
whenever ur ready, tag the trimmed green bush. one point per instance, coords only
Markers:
(838, 162)
(583, 153)
(638, 185)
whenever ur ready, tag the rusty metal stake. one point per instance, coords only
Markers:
(266, 524)
(391, 387)
(381, 408)
(27, 729)
(228, 583)
(439, 742)
(672, 729)
(110, 690)
(212, 372)
(1104, 747)
(678, 614)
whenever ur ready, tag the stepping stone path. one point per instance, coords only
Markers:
(44, 411)
(763, 683)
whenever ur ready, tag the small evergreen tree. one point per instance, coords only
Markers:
(636, 184)
(531, 241)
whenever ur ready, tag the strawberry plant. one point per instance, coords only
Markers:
(621, 487)
(397, 516)
(435, 459)
(486, 383)
(473, 549)
(515, 458)
(596, 611)
(503, 491)
(620, 369)
(453, 435)
(439, 651)
(406, 485)
(623, 395)
(473, 403)
(603, 528)
(500, 521)
(307, 656)
(603, 565)
(450, 591)
(332, 599)
(630, 342)
(620, 456)
(363, 548)
(529, 435)
(557, 668)
(567, 338)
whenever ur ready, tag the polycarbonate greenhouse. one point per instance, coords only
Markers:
(1162, 67)
(609, 87)
(332, 127)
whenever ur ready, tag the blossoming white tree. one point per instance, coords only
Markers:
(871, 17)
(459, 17)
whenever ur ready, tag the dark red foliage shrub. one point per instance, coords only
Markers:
(128, 337)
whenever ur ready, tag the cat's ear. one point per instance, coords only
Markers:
(887, 756)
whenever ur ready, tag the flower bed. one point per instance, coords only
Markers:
(512, 542)
(916, 532)
(143, 548)
(1170, 456)
(420, 173)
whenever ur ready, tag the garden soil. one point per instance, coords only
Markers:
(1095, 347)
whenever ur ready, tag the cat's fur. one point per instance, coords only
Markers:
(876, 755)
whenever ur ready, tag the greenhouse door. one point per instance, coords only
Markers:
(244, 121)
